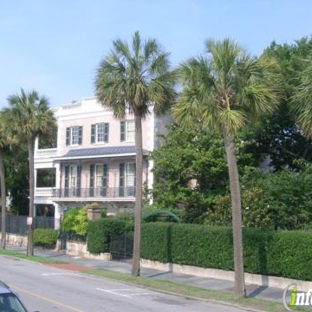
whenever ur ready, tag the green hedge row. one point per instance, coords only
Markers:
(281, 253)
(100, 231)
(45, 237)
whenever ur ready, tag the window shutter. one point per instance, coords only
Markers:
(105, 180)
(122, 131)
(92, 134)
(78, 180)
(91, 180)
(66, 191)
(80, 135)
(121, 179)
(105, 175)
(106, 132)
(67, 136)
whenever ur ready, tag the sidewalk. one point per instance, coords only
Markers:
(254, 291)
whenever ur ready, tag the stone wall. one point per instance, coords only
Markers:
(16, 240)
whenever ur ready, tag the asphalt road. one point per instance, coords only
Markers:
(50, 289)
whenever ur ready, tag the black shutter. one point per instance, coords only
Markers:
(92, 134)
(67, 136)
(122, 180)
(105, 180)
(66, 193)
(80, 135)
(78, 193)
(122, 131)
(106, 132)
(91, 180)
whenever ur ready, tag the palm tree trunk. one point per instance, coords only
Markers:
(3, 200)
(31, 153)
(239, 283)
(138, 196)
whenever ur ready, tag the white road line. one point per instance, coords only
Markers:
(140, 294)
(114, 293)
(57, 274)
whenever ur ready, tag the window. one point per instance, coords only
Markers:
(99, 133)
(127, 130)
(74, 135)
(46, 177)
(72, 180)
(98, 180)
(127, 179)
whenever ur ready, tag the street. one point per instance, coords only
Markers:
(50, 289)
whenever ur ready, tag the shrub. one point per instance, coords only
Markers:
(45, 237)
(100, 231)
(279, 253)
(69, 220)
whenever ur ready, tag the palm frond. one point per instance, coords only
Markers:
(134, 79)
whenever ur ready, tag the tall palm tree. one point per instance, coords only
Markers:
(134, 79)
(7, 140)
(302, 99)
(30, 116)
(224, 92)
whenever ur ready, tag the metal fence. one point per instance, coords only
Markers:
(121, 247)
(18, 224)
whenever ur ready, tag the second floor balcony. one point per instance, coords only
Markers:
(93, 193)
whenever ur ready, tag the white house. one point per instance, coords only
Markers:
(94, 160)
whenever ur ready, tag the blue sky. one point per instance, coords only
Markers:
(55, 46)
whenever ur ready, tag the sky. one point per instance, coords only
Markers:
(55, 46)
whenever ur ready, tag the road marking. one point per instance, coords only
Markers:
(46, 299)
(57, 274)
(113, 292)
(117, 292)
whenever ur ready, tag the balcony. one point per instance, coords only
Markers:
(46, 153)
(102, 193)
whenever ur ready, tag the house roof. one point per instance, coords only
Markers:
(100, 152)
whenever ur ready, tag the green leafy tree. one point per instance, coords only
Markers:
(279, 136)
(30, 116)
(190, 169)
(224, 93)
(7, 142)
(17, 176)
(134, 79)
(302, 99)
(273, 201)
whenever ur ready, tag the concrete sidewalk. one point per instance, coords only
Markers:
(253, 291)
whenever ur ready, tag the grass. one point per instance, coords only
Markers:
(170, 287)
(20, 255)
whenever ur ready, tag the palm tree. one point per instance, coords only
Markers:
(302, 100)
(134, 79)
(3, 144)
(30, 116)
(7, 140)
(224, 92)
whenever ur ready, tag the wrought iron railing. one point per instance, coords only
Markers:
(111, 192)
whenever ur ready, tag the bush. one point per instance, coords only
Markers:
(69, 220)
(100, 231)
(280, 253)
(45, 237)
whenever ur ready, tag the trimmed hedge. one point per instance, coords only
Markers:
(281, 253)
(100, 231)
(45, 237)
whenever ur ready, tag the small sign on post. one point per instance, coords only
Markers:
(29, 220)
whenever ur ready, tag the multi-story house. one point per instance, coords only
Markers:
(94, 160)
